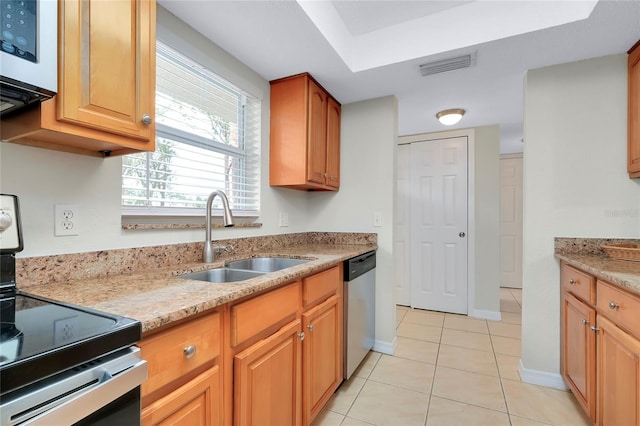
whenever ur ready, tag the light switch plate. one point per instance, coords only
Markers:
(377, 219)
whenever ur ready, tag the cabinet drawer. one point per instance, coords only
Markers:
(579, 283)
(196, 402)
(258, 314)
(620, 307)
(320, 286)
(165, 352)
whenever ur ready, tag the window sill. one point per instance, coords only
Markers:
(158, 226)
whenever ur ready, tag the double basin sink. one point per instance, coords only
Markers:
(244, 269)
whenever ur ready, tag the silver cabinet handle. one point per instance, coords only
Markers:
(301, 336)
(190, 351)
(585, 322)
(146, 119)
(572, 282)
(594, 329)
(462, 235)
(613, 305)
(310, 327)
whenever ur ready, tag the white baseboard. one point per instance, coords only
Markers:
(385, 347)
(542, 378)
(484, 314)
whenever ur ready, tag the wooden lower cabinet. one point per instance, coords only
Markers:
(196, 403)
(579, 354)
(270, 359)
(600, 347)
(267, 381)
(322, 356)
(286, 351)
(184, 384)
(618, 376)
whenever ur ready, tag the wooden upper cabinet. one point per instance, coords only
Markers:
(333, 143)
(106, 82)
(103, 84)
(633, 134)
(317, 150)
(305, 135)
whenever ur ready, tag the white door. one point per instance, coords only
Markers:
(439, 225)
(511, 221)
(402, 232)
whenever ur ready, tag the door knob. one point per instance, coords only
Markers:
(146, 119)
(462, 235)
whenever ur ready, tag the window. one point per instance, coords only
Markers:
(207, 138)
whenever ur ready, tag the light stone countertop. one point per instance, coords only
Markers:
(623, 273)
(159, 297)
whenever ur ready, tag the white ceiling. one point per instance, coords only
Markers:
(364, 49)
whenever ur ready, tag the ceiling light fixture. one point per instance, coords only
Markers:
(449, 117)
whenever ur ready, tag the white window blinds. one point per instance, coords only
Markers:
(207, 138)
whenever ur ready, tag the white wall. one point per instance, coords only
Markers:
(575, 185)
(42, 178)
(487, 222)
(367, 174)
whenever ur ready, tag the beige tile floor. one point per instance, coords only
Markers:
(450, 370)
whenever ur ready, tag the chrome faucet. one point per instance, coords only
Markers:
(227, 218)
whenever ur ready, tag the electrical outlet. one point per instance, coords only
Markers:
(377, 219)
(284, 219)
(65, 220)
(64, 330)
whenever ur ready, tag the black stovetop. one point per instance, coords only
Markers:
(39, 338)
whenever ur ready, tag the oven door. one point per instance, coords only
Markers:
(102, 391)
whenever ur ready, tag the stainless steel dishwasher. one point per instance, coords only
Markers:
(359, 309)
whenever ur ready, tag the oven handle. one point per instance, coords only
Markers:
(89, 401)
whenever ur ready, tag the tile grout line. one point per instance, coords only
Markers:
(366, 379)
(435, 371)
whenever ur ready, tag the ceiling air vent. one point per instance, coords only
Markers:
(450, 64)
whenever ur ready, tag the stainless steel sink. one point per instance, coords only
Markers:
(222, 275)
(265, 264)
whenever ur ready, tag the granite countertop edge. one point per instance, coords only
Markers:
(161, 297)
(623, 273)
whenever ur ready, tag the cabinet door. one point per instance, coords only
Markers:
(634, 113)
(267, 382)
(333, 143)
(579, 351)
(107, 65)
(199, 402)
(618, 376)
(322, 356)
(317, 154)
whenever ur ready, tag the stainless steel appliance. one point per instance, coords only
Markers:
(359, 309)
(61, 364)
(28, 53)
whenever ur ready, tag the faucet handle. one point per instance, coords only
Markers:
(222, 249)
